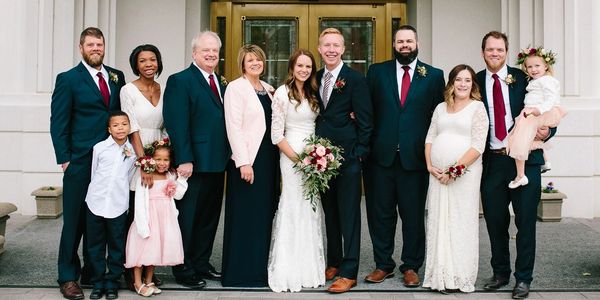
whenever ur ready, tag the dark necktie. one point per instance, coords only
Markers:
(213, 86)
(103, 88)
(405, 85)
(499, 110)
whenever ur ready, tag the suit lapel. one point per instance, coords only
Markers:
(334, 92)
(415, 84)
(112, 86)
(514, 106)
(204, 84)
(319, 77)
(482, 88)
(87, 78)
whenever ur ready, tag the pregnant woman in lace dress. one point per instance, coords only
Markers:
(296, 259)
(456, 137)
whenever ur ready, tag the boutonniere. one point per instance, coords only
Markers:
(223, 81)
(126, 153)
(339, 84)
(113, 77)
(509, 79)
(422, 71)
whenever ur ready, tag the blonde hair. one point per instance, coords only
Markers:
(449, 90)
(330, 30)
(251, 49)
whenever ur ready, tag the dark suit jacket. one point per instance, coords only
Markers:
(79, 117)
(516, 94)
(403, 128)
(195, 121)
(335, 123)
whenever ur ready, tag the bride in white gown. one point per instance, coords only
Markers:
(297, 258)
(457, 135)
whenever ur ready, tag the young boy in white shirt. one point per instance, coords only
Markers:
(107, 204)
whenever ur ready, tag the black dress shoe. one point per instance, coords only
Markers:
(192, 282)
(211, 274)
(112, 294)
(521, 290)
(495, 283)
(96, 294)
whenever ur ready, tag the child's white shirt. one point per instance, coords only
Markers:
(108, 192)
(142, 202)
(543, 93)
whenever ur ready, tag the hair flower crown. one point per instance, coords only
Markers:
(547, 55)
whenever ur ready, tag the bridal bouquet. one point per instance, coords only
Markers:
(318, 163)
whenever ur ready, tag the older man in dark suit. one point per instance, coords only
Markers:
(195, 122)
(404, 91)
(343, 91)
(503, 90)
(81, 102)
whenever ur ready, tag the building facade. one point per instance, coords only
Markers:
(40, 39)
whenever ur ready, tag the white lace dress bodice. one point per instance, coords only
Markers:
(296, 259)
(453, 209)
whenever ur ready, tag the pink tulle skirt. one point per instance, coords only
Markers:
(521, 137)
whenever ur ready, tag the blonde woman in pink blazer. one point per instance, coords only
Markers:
(252, 174)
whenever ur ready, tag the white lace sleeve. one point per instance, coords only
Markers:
(480, 127)
(128, 106)
(279, 106)
(432, 132)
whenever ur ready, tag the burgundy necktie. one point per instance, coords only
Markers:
(213, 86)
(103, 88)
(405, 85)
(499, 110)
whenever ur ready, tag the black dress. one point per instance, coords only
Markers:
(249, 212)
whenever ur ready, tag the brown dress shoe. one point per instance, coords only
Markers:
(71, 290)
(331, 272)
(378, 276)
(411, 279)
(342, 285)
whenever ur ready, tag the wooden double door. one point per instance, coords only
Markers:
(280, 27)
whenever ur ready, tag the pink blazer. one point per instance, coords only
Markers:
(244, 120)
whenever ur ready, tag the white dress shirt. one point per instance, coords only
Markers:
(108, 192)
(495, 143)
(400, 74)
(334, 75)
(215, 77)
(94, 74)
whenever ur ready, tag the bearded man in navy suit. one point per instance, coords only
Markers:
(81, 102)
(404, 91)
(343, 93)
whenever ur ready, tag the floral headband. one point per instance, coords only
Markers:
(146, 162)
(547, 55)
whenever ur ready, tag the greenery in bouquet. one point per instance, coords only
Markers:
(146, 163)
(318, 163)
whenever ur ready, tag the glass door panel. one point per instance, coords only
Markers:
(358, 35)
(278, 38)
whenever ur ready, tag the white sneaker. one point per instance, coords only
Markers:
(517, 183)
(547, 166)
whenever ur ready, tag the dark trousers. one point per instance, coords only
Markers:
(199, 213)
(75, 184)
(106, 234)
(496, 197)
(341, 204)
(393, 191)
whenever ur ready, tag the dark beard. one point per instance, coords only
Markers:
(405, 59)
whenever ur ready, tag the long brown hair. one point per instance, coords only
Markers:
(449, 90)
(310, 87)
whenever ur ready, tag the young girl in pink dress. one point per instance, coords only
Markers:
(154, 237)
(542, 108)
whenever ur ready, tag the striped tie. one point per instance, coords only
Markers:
(326, 86)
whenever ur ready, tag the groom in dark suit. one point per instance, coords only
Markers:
(81, 102)
(404, 91)
(503, 91)
(343, 91)
(194, 119)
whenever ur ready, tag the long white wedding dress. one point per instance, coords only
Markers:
(453, 209)
(297, 257)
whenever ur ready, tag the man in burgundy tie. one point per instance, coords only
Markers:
(195, 120)
(503, 91)
(404, 91)
(81, 102)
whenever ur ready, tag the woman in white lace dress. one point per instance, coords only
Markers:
(456, 137)
(296, 259)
